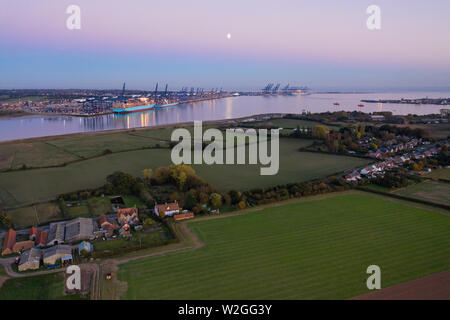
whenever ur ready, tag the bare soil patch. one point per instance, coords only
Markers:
(432, 287)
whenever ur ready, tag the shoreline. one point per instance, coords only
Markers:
(112, 131)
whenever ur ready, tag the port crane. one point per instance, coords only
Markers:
(275, 89)
(122, 96)
(268, 88)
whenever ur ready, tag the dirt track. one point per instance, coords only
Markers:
(432, 287)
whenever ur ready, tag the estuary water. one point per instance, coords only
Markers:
(12, 128)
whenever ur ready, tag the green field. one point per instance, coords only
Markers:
(26, 187)
(309, 249)
(46, 287)
(34, 215)
(433, 191)
(443, 174)
(287, 123)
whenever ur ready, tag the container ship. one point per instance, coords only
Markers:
(142, 104)
(296, 91)
(165, 103)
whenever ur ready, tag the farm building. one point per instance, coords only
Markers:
(9, 240)
(79, 229)
(30, 260)
(128, 215)
(106, 225)
(86, 246)
(33, 233)
(52, 254)
(183, 216)
(167, 209)
(23, 245)
(41, 238)
(71, 231)
(56, 233)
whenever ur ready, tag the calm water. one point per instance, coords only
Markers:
(228, 108)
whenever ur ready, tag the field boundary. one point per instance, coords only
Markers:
(393, 195)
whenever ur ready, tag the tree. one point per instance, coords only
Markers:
(215, 200)
(241, 205)
(6, 220)
(120, 182)
(147, 173)
(235, 196)
(203, 198)
(162, 175)
(190, 201)
(320, 132)
(148, 223)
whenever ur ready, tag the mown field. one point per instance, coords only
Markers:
(438, 192)
(45, 287)
(310, 249)
(443, 174)
(30, 186)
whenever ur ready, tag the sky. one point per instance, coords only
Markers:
(324, 44)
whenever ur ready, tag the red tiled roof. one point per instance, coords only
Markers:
(127, 211)
(183, 216)
(9, 240)
(167, 207)
(41, 237)
(102, 219)
(33, 231)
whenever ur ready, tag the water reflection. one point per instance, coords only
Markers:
(233, 107)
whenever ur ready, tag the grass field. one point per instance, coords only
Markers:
(433, 191)
(25, 187)
(310, 249)
(46, 287)
(35, 215)
(443, 174)
(287, 123)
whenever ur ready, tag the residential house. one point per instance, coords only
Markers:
(9, 240)
(53, 254)
(30, 259)
(128, 215)
(167, 209)
(106, 225)
(353, 176)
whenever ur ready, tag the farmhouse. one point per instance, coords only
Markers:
(167, 209)
(52, 254)
(106, 225)
(30, 260)
(128, 215)
(9, 240)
